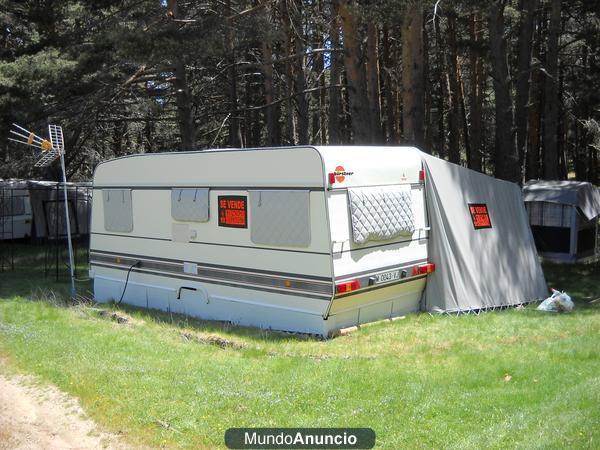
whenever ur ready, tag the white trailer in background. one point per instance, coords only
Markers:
(16, 217)
(565, 219)
(33, 208)
(307, 239)
(47, 205)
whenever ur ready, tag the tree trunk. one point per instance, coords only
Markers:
(183, 97)
(463, 114)
(389, 88)
(185, 117)
(290, 123)
(528, 8)
(593, 163)
(119, 131)
(355, 74)
(442, 86)
(581, 138)
(551, 99)
(318, 66)
(335, 93)
(453, 91)
(474, 160)
(413, 80)
(373, 82)
(148, 136)
(247, 122)
(428, 143)
(271, 112)
(532, 167)
(563, 127)
(235, 132)
(299, 80)
(506, 158)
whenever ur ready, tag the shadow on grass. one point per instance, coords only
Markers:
(32, 285)
(29, 280)
(184, 322)
(580, 281)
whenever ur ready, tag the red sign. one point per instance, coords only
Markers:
(233, 211)
(480, 215)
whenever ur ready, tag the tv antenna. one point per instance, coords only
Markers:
(50, 151)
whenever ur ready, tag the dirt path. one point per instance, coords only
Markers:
(42, 417)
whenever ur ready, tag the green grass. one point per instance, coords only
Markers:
(424, 381)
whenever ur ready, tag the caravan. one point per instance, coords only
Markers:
(306, 239)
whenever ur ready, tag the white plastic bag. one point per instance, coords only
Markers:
(557, 302)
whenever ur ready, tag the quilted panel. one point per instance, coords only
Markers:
(380, 213)
(280, 218)
(190, 205)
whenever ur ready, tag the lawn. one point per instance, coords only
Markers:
(512, 378)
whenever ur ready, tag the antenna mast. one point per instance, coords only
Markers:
(50, 151)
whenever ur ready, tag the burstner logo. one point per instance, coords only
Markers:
(341, 174)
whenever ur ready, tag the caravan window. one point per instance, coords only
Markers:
(190, 205)
(118, 212)
(280, 218)
(380, 213)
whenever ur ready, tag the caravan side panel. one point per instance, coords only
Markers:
(255, 270)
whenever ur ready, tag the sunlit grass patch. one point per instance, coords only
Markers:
(501, 379)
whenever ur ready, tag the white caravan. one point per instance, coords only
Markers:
(15, 210)
(306, 239)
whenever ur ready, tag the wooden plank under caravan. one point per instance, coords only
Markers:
(306, 239)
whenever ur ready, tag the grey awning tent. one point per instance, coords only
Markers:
(564, 219)
(48, 208)
(480, 242)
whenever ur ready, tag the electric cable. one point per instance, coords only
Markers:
(127, 280)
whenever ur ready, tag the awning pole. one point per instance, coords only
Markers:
(68, 223)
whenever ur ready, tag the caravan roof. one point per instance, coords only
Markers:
(270, 167)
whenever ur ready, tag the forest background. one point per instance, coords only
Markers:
(508, 88)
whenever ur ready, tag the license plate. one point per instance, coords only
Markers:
(386, 277)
